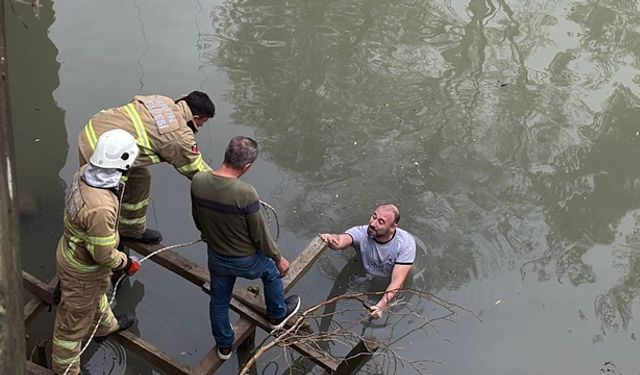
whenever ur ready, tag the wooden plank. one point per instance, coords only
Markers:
(133, 343)
(172, 261)
(31, 309)
(200, 277)
(33, 369)
(357, 357)
(317, 356)
(151, 354)
(38, 288)
(35, 305)
(249, 318)
(210, 362)
(303, 262)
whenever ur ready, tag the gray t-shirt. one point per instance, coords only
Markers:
(379, 258)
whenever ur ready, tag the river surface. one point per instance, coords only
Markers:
(507, 131)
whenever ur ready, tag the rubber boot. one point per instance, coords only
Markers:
(149, 237)
(125, 321)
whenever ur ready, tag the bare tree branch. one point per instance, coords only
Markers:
(345, 332)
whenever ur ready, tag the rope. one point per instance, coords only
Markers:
(268, 207)
(113, 297)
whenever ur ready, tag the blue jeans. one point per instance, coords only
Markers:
(223, 271)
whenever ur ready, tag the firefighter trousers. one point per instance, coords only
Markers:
(82, 304)
(133, 210)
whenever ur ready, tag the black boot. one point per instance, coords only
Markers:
(125, 321)
(149, 237)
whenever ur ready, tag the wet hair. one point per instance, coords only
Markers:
(393, 208)
(240, 151)
(200, 104)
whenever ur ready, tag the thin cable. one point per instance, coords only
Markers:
(266, 205)
(113, 297)
(275, 214)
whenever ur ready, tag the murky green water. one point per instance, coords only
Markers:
(507, 132)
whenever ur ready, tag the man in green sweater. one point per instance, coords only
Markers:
(227, 212)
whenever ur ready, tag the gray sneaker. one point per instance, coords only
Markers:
(293, 305)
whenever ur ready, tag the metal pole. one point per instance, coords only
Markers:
(12, 345)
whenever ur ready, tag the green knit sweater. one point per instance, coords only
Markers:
(227, 212)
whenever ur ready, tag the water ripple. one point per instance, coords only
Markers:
(106, 358)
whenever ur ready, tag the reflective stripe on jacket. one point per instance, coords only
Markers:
(90, 237)
(160, 128)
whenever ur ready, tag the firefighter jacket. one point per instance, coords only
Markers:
(87, 249)
(160, 128)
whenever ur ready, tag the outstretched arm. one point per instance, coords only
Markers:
(337, 241)
(185, 157)
(398, 276)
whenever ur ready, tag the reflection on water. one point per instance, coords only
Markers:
(505, 131)
(113, 355)
(504, 148)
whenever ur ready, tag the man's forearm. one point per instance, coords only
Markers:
(398, 276)
(387, 297)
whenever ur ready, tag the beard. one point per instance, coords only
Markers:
(372, 232)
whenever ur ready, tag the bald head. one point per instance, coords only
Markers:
(386, 207)
(383, 222)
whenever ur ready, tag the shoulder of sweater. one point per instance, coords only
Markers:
(238, 184)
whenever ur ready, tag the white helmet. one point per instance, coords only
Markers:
(115, 149)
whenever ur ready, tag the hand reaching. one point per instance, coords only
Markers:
(375, 312)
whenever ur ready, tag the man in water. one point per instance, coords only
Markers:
(383, 250)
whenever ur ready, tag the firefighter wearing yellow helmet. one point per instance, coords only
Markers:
(87, 254)
(164, 130)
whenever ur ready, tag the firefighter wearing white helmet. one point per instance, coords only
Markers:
(115, 149)
(165, 132)
(87, 251)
